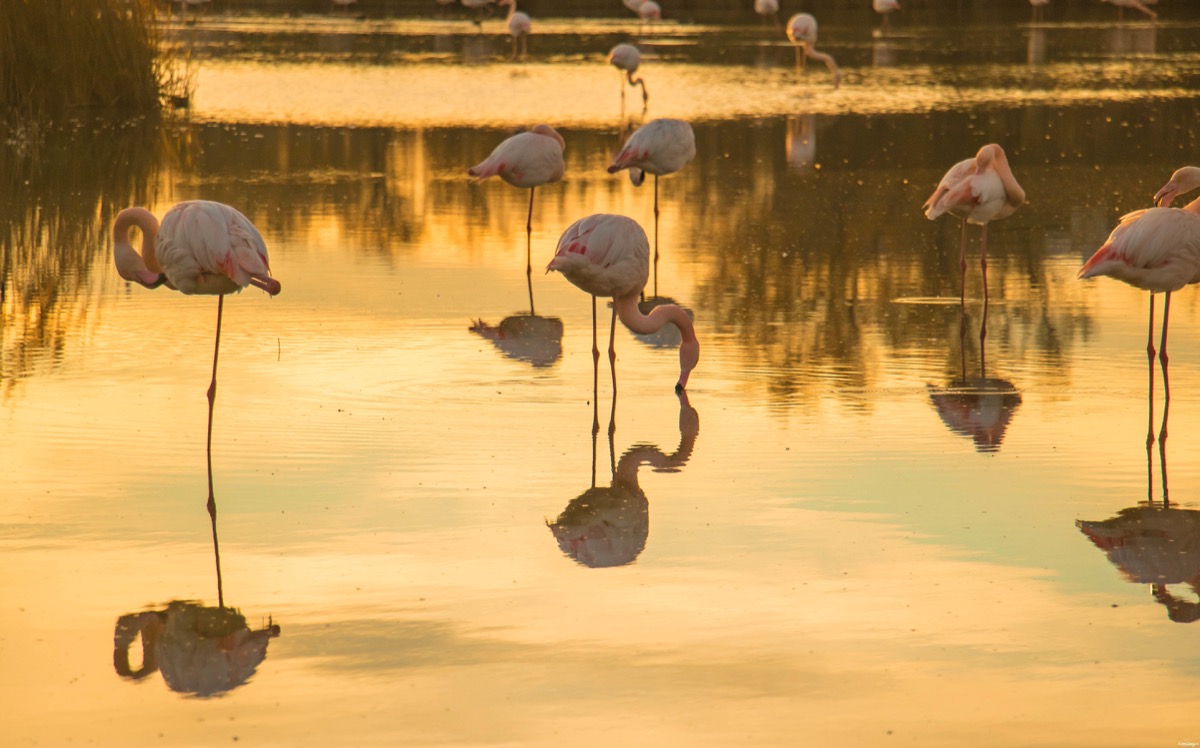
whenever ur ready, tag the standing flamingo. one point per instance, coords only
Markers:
(608, 255)
(519, 26)
(885, 8)
(527, 159)
(1038, 7)
(1156, 250)
(802, 32)
(649, 10)
(977, 190)
(767, 9)
(626, 58)
(201, 247)
(661, 146)
(1139, 5)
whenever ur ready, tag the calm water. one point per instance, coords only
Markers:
(857, 528)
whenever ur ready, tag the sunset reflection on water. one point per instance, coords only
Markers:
(851, 529)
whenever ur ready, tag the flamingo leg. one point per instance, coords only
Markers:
(1150, 387)
(595, 374)
(962, 266)
(529, 249)
(612, 365)
(656, 235)
(1162, 360)
(212, 501)
(983, 269)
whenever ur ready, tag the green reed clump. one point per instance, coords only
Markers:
(60, 55)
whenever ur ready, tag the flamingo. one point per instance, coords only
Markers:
(977, 190)
(626, 58)
(649, 10)
(1038, 7)
(1157, 250)
(767, 8)
(527, 159)
(885, 8)
(519, 25)
(633, 5)
(1139, 5)
(802, 32)
(608, 255)
(479, 6)
(201, 247)
(661, 146)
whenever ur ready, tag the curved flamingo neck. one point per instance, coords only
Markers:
(512, 9)
(139, 268)
(648, 324)
(1193, 207)
(811, 52)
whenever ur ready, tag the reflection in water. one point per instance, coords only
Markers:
(201, 650)
(525, 337)
(1035, 47)
(800, 144)
(608, 526)
(59, 190)
(977, 408)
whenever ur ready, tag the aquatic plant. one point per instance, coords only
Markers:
(61, 55)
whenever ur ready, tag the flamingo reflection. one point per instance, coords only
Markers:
(525, 337)
(1155, 543)
(979, 408)
(199, 649)
(608, 526)
(800, 141)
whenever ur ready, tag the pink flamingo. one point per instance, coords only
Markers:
(649, 10)
(519, 26)
(608, 255)
(885, 8)
(802, 32)
(661, 146)
(977, 190)
(1139, 5)
(1156, 250)
(201, 247)
(527, 159)
(626, 58)
(767, 9)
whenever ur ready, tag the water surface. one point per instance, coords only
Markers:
(858, 526)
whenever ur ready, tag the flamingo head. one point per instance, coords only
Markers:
(1182, 181)
(550, 132)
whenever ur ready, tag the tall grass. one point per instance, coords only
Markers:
(62, 55)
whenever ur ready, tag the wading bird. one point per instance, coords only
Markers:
(519, 26)
(626, 58)
(527, 159)
(885, 8)
(1038, 7)
(1139, 5)
(1156, 250)
(201, 247)
(660, 146)
(802, 32)
(767, 9)
(608, 255)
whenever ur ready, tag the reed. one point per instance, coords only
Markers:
(57, 56)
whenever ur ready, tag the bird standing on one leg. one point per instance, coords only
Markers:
(527, 159)
(201, 247)
(661, 146)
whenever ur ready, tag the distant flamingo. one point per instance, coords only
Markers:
(608, 255)
(1038, 7)
(201, 247)
(527, 159)
(1139, 5)
(767, 9)
(633, 5)
(479, 6)
(661, 146)
(885, 8)
(649, 11)
(626, 58)
(802, 32)
(1156, 250)
(519, 25)
(977, 190)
